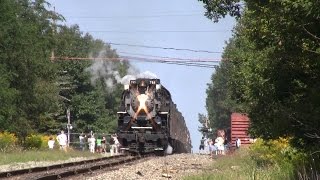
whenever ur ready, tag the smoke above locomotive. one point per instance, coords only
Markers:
(149, 121)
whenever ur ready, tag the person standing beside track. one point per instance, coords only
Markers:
(202, 141)
(220, 145)
(212, 148)
(99, 144)
(82, 141)
(103, 145)
(114, 142)
(238, 143)
(51, 143)
(92, 143)
(62, 140)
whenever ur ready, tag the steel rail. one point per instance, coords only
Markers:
(52, 167)
(84, 170)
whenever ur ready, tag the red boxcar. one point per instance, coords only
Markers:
(239, 128)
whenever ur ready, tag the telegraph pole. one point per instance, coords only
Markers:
(64, 94)
(68, 126)
(64, 85)
(53, 33)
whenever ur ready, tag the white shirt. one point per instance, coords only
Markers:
(92, 141)
(238, 142)
(220, 141)
(51, 144)
(62, 139)
(116, 141)
(81, 138)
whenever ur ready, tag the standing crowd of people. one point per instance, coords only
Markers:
(218, 146)
(100, 144)
(95, 145)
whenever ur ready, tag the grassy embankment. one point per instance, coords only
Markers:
(241, 166)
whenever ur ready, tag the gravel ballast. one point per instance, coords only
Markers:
(173, 167)
(168, 167)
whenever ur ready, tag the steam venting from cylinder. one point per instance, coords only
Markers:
(169, 149)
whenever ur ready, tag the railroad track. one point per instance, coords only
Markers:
(64, 170)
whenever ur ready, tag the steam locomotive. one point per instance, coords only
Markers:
(148, 120)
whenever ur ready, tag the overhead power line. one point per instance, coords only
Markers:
(166, 48)
(195, 63)
(171, 58)
(137, 16)
(173, 61)
(135, 57)
(159, 31)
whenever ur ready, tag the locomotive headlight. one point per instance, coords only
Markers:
(142, 104)
(142, 98)
(158, 86)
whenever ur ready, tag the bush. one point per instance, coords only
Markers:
(275, 152)
(33, 141)
(7, 141)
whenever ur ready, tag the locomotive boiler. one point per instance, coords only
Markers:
(149, 121)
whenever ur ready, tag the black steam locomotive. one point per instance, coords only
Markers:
(149, 121)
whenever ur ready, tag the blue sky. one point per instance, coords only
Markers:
(158, 23)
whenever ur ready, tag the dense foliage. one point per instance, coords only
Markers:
(7, 141)
(35, 92)
(271, 69)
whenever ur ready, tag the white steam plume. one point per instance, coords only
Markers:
(104, 69)
(147, 74)
(108, 71)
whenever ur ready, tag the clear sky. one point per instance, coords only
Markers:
(164, 23)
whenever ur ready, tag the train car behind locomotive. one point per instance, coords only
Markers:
(149, 121)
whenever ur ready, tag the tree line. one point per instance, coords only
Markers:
(270, 69)
(35, 92)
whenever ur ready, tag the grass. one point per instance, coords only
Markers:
(41, 155)
(239, 166)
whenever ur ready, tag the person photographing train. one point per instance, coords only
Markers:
(115, 144)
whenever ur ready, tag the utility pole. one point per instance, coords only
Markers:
(206, 124)
(65, 85)
(53, 33)
(69, 127)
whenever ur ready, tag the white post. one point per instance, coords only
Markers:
(68, 125)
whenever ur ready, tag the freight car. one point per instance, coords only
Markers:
(239, 128)
(148, 120)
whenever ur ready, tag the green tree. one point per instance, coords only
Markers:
(26, 35)
(35, 92)
(217, 9)
(93, 87)
(274, 66)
